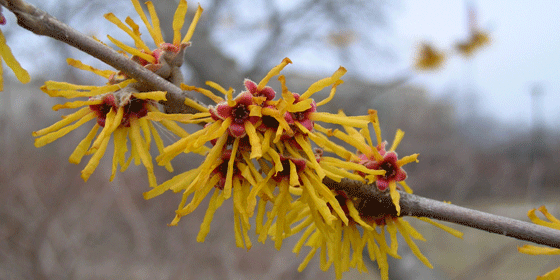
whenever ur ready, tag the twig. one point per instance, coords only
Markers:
(372, 201)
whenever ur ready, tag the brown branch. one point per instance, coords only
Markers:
(374, 202)
(371, 201)
(41, 23)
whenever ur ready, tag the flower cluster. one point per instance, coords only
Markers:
(120, 107)
(430, 58)
(269, 150)
(553, 223)
(279, 151)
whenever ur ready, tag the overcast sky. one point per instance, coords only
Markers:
(525, 50)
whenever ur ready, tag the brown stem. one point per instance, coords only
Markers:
(377, 202)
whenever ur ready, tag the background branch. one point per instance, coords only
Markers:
(372, 201)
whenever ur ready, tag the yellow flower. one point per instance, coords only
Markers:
(477, 40)
(166, 55)
(429, 58)
(342, 244)
(275, 133)
(8, 57)
(120, 110)
(553, 223)
(375, 157)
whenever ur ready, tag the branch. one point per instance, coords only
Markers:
(372, 202)
(41, 23)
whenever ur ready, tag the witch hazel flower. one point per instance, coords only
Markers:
(119, 110)
(376, 157)
(167, 57)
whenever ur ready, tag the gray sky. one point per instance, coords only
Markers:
(525, 49)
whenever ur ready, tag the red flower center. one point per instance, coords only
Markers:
(240, 113)
(135, 108)
(390, 170)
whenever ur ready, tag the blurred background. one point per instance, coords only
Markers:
(485, 125)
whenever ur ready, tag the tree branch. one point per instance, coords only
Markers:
(372, 202)
(41, 23)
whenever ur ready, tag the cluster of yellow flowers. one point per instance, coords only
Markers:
(431, 58)
(263, 150)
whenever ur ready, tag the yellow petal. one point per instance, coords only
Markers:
(353, 212)
(451, 231)
(134, 35)
(159, 144)
(408, 159)
(256, 149)
(44, 140)
(412, 245)
(229, 174)
(337, 119)
(153, 95)
(537, 250)
(321, 84)
(6, 54)
(76, 104)
(301, 106)
(133, 51)
(81, 149)
(205, 92)
(306, 146)
(178, 21)
(142, 15)
(538, 221)
(551, 275)
(112, 121)
(64, 122)
(375, 121)
(78, 64)
(407, 189)
(190, 32)
(143, 150)
(119, 141)
(548, 215)
(155, 30)
(398, 138)
(94, 160)
(215, 203)
(273, 72)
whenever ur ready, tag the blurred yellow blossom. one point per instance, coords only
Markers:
(429, 58)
